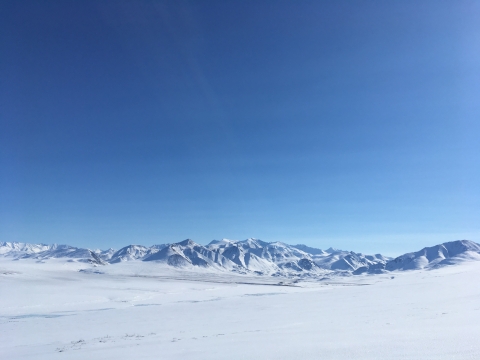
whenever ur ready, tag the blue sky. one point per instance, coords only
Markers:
(352, 124)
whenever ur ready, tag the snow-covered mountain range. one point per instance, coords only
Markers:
(448, 253)
(18, 250)
(254, 256)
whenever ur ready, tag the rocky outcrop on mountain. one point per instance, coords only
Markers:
(188, 252)
(253, 255)
(105, 255)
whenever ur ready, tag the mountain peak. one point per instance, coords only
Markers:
(187, 242)
(221, 242)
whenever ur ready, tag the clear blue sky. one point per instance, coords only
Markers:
(352, 124)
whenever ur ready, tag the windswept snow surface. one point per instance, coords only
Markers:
(64, 309)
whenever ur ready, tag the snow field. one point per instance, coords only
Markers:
(145, 311)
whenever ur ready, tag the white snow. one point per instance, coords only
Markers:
(449, 253)
(65, 309)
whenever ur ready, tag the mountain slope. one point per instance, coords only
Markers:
(129, 253)
(14, 249)
(188, 252)
(448, 253)
(66, 251)
(43, 252)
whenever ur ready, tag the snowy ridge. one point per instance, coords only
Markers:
(255, 256)
(105, 255)
(15, 248)
(189, 253)
(448, 253)
(134, 252)
(66, 251)
(266, 258)
(42, 251)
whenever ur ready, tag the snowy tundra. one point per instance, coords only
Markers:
(61, 308)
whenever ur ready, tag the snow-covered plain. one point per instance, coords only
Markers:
(61, 309)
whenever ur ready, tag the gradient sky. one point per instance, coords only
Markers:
(352, 124)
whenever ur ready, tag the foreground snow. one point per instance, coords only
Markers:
(145, 310)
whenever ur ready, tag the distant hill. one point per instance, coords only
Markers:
(448, 253)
